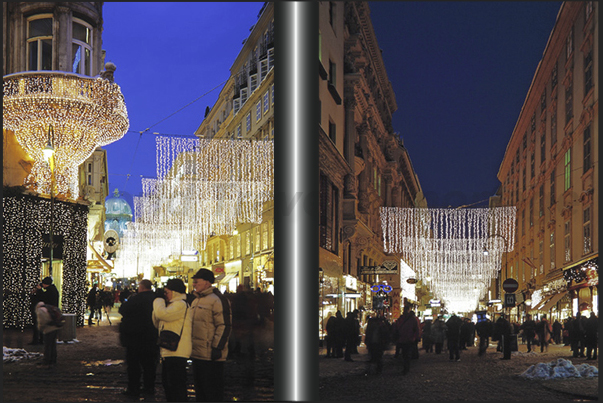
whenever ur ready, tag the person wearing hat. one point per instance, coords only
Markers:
(171, 314)
(211, 327)
(51, 294)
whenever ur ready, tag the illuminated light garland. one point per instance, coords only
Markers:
(203, 187)
(447, 246)
(85, 112)
(26, 218)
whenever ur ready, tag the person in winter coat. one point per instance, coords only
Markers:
(51, 294)
(376, 340)
(351, 335)
(529, 331)
(484, 330)
(138, 335)
(407, 331)
(465, 334)
(211, 329)
(37, 295)
(438, 334)
(50, 335)
(171, 314)
(453, 335)
(339, 336)
(426, 331)
(503, 329)
(544, 331)
(331, 330)
(590, 331)
(557, 328)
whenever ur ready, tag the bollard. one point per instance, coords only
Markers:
(67, 332)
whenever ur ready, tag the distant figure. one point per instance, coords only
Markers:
(339, 335)
(591, 333)
(557, 328)
(427, 343)
(438, 334)
(502, 328)
(453, 335)
(376, 340)
(37, 295)
(484, 330)
(51, 294)
(529, 331)
(50, 335)
(407, 332)
(330, 328)
(351, 333)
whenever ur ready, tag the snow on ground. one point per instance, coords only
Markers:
(560, 368)
(17, 354)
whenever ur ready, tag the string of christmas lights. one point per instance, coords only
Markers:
(26, 219)
(85, 113)
(447, 246)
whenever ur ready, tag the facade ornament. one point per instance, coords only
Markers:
(350, 187)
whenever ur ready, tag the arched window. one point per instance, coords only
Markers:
(39, 42)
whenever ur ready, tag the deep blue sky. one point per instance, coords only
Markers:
(460, 72)
(167, 55)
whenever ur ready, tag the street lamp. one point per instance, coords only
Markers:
(48, 153)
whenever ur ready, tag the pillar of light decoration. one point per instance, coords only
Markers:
(447, 245)
(86, 112)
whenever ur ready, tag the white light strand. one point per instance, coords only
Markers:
(447, 246)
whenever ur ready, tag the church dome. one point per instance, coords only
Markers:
(117, 206)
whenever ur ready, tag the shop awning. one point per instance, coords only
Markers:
(552, 301)
(539, 305)
(226, 277)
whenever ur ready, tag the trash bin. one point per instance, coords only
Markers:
(67, 332)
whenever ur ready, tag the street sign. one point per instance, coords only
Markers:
(510, 285)
(388, 267)
(509, 300)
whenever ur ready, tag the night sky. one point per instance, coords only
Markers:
(461, 72)
(167, 56)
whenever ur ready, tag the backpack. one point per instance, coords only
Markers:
(56, 316)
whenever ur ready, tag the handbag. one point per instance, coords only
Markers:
(168, 339)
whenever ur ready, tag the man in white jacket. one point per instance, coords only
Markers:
(211, 328)
(50, 335)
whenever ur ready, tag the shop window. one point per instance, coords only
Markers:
(39, 42)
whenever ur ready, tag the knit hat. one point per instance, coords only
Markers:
(47, 280)
(176, 284)
(205, 275)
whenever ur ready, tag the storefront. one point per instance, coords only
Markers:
(582, 281)
(227, 275)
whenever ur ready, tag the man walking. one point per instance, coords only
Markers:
(139, 336)
(529, 331)
(407, 331)
(453, 335)
(212, 325)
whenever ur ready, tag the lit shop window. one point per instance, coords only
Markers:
(81, 47)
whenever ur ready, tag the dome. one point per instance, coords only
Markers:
(117, 206)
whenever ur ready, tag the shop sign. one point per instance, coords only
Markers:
(219, 268)
(388, 267)
(57, 246)
(351, 282)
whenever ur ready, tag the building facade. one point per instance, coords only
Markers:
(550, 173)
(363, 164)
(245, 111)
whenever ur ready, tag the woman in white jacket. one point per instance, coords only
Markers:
(174, 316)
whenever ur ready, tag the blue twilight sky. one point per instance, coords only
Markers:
(460, 72)
(167, 56)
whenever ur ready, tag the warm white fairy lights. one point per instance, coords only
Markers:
(85, 112)
(203, 187)
(447, 246)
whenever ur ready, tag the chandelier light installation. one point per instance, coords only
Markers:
(447, 246)
(203, 187)
(85, 112)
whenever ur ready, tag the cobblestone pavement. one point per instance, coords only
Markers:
(93, 370)
(434, 377)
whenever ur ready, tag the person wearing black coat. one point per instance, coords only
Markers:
(484, 330)
(577, 336)
(590, 331)
(51, 294)
(529, 331)
(502, 328)
(465, 334)
(453, 334)
(331, 330)
(351, 334)
(557, 326)
(139, 336)
(339, 334)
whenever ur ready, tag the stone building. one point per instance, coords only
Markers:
(245, 111)
(363, 163)
(550, 172)
(58, 45)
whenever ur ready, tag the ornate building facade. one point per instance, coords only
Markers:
(363, 163)
(550, 173)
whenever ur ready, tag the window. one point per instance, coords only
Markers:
(541, 256)
(587, 146)
(265, 235)
(89, 179)
(248, 121)
(248, 239)
(272, 94)
(588, 9)
(554, 77)
(532, 170)
(531, 212)
(231, 249)
(379, 186)
(258, 242)
(588, 71)
(329, 218)
(263, 69)
(81, 47)
(568, 170)
(523, 180)
(553, 187)
(239, 135)
(332, 131)
(523, 222)
(258, 110)
(541, 202)
(543, 102)
(542, 147)
(524, 143)
(236, 105)
(569, 43)
(588, 245)
(553, 128)
(533, 126)
(332, 73)
(569, 101)
(253, 81)
(567, 239)
(237, 245)
(266, 101)
(270, 58)
(332, 13)
(39, 43)
(552, 249)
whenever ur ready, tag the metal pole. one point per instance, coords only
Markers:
(51, 162)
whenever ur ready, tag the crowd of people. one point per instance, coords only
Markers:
(454, 335)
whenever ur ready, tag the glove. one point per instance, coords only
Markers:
(216, 354)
